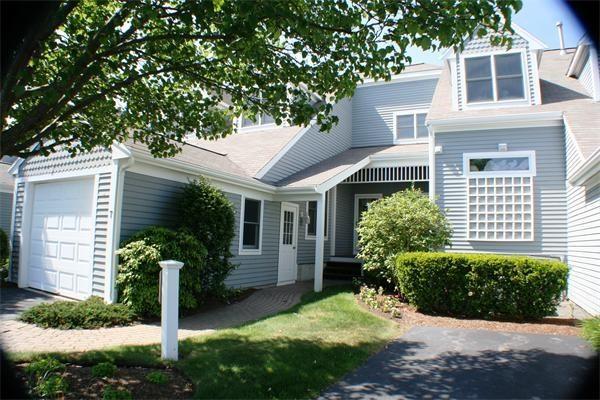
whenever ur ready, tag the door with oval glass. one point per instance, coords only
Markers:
(288, 244)
(361, 204)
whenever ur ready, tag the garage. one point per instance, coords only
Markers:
(62, 240)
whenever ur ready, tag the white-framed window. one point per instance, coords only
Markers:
(311, 212)
(409, 126)
(495, 78)
(500, 195)
(261, 120)
(251, 226)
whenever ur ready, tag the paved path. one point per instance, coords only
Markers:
(13, 301)
(17, 336)
(436, 363)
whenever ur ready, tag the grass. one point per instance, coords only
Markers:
(294, 354)
(590, 330)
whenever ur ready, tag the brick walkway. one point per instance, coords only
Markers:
(17, 336)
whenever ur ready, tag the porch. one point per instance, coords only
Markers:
(345, 186)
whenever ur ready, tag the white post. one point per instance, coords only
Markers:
(320, 243)
(169, 308)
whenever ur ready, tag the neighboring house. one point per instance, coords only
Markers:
(6, 195)
(505, 140)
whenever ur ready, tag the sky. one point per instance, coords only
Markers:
(539, 18)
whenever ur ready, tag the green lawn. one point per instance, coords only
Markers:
(294, 354)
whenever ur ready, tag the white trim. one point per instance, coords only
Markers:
(431, 162)
(267, 167)
(14, 168)
(588, 170)
(414, 112)
(333, 201)
(333, 181)
(357, 197)
(241, 250)
(403, 77)
(294, 241)
(22, 278)
(495, 103)
(535, 75)
(64, 175)
(530, 154)
(593, 59)
(12, 233)
(327, 204)
(505, 121)
(95, 191)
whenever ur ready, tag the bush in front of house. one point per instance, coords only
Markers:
(481, 285)
(208, 214)
(138, 277)
(92, 313)
(403, 222)
(4, 249)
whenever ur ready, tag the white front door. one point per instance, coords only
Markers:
(61, 240)
(361, 204)
(288, 244)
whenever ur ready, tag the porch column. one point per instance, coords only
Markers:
(320, 243)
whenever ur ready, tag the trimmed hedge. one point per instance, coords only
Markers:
(481, 285)
(92, 313)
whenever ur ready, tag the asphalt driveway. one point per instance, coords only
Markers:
(13, 301)
(430, 362)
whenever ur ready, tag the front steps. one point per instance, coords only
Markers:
(342, 270)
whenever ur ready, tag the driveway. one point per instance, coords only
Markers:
(430, 362)
(13, 301)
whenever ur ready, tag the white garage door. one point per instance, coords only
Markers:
(61, 245)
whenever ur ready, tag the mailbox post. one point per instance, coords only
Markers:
(169, 314)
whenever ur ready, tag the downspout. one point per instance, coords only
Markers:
(120, 163)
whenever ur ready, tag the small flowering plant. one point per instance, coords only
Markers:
(377, 299)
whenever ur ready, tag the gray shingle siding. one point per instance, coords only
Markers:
(315, 146)
(583, 257)
(6, 199)
(550, 215)
(373, 108)
(345, 209)
(151, 201)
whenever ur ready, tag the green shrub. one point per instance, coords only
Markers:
(591, 331)
(138, 277)
(92, 313)
(44, 378)
(207, 213)
(481, 285)
(403, 222)
(111, 393)
(104, 370)
(157, 377)
(4, 253)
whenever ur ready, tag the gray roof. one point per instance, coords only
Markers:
(251, 150)
(327, 169)
(559, 93)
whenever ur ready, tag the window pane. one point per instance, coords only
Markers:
(252, 211)
(478, 67)
(499, 164)
(510, 88)
(405, 126)
(421, 128)
(312, 215)
(479, 90)
(267, 119)
(508, 64)
(248, 122)
(251, 232)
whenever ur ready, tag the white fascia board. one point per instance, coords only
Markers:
(549, 118)
(588, 170)
(267, 167)
(408, 76)
(120, 151)
(14, 168)
(210, 173)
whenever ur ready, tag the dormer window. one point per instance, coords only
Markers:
(497, 77)
(261, 119)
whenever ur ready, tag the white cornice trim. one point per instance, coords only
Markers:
(549, 118)
(408, 76)
(588, 170)
(14, 168)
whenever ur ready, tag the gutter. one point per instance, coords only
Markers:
(496, 121)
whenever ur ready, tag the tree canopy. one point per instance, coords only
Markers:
(155, 71)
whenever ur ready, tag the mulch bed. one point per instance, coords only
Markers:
(547, 326)
(82, 385)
